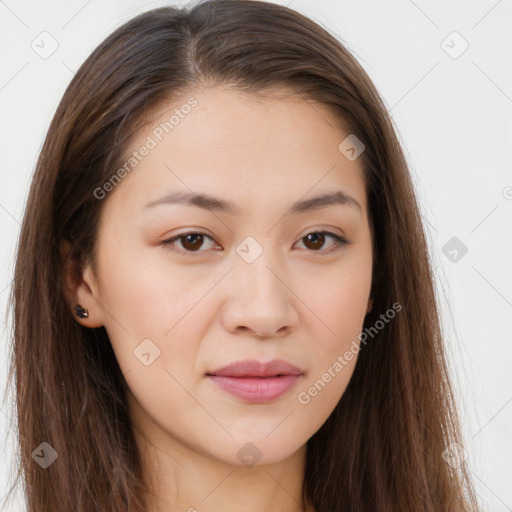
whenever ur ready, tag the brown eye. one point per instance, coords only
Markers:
(193, 241)
(190, 242)
(315, 240)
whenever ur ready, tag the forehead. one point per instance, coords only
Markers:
(249, 149)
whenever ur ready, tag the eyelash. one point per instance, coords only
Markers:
(340, 241)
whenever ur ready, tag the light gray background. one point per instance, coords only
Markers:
(453, 116)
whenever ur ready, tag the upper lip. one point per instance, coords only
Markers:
(254, 368)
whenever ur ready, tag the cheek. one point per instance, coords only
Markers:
(338, 300)
(150, 301)
(148, 291)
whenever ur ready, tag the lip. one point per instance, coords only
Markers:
(256, 381)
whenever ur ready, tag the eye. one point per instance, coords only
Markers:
(316, 239)
(193, 240)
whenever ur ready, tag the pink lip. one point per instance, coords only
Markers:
(256, 381)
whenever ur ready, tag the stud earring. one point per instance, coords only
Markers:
(81, 312)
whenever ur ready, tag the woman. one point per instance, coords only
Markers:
(223, 296)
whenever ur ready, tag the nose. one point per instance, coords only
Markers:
(261, 303)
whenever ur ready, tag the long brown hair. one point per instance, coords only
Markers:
(383, 447)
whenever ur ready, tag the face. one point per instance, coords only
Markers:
(185, 289)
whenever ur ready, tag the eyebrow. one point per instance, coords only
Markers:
(209, 202)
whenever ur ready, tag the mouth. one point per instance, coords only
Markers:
(255, 381)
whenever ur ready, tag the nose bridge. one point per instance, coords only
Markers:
(259, 299)
(256, 266)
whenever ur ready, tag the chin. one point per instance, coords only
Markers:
(259, 450)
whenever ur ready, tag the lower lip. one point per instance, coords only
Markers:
(256, 389)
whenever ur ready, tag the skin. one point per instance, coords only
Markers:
(297, 301)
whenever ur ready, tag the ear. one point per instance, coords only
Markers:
(79, 287)
(370, 306)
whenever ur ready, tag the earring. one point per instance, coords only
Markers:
(81, 312)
